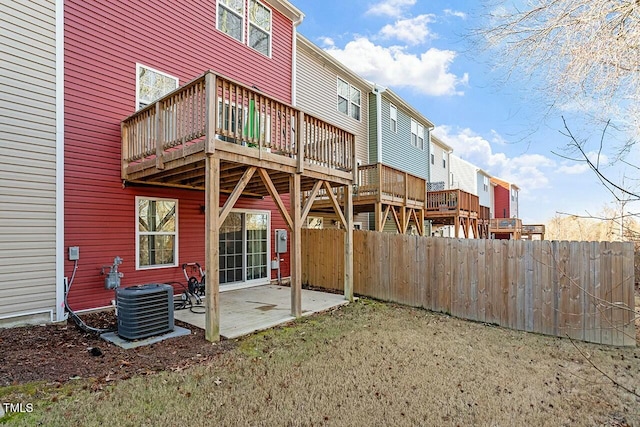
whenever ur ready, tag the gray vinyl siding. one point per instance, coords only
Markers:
(317, 94)
(27, 158)
(397, 149)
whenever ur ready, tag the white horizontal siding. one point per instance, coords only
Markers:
(27, 157)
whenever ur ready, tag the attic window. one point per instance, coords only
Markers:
(231, 18)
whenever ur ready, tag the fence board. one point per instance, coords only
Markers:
(580, 289)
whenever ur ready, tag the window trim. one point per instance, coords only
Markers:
(393, 118)
(420, 137)
(175, 233)
(270, 32)
(414, 133)
(242, 18)
(444, 160)
(138, 67)
(351, 88)
(432, 153)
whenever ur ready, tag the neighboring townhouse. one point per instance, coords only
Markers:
(485, 195)
(440, 165)
(31, 155)
(398, 170)
(327, 89)
(169, 163)
(506, 224)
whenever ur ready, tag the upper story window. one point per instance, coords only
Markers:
(231, 18)
(514, 193)
(444, 159)
(231, 21)
(417, 135)
(393, 118)
(433, 154)
(260, 27)
(156, 232)
(485, 183)
(151, 85)
(349, 99)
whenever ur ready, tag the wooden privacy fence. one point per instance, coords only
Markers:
(583, 290)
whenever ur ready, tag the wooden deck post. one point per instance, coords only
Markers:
(124, 136)
(211, 91)
(300, 141)
(296, 246)
(212, 251)
(348, 244)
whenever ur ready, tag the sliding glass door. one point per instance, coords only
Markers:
(244, 248)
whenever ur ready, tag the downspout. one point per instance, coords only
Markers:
(294, 60)
(60, 313)
(379, 90)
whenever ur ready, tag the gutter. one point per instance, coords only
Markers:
(294, 60)
(379, 90)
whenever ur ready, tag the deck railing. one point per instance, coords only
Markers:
(390, 184)
(485, 214)
(214, 108)
(452, 200)
(505, 225)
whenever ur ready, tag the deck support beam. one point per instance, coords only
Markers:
(212, 251)
(296, 245)
(348, 244)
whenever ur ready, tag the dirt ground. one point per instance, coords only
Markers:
(60, 353)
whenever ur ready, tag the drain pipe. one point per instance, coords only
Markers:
(378, 91)
(294, 60)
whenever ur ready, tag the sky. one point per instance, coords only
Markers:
(422, 51)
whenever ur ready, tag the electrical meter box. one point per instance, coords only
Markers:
(281, 241)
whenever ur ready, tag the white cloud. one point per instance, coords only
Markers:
(496, 138)
(412, 30)
(390, 7)
(427, 73)
(580, 166)
(455, 13)
(528, 171)
(326, 41)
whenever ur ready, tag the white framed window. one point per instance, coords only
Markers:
(230, 18)
(343, 96)
(156, 232)
(433, 153)
(414, 133)
(349, 99)
(513, 194)
(260, 27)
(420, 136)
(357, 225)
(444, 160)
(485, 183)
(152, 85)
(393, 118)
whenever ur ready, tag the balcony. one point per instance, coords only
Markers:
(533, 232)
(166, 142)
(506, 226)
(451, 203)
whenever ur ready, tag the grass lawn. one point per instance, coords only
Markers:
(367, 364)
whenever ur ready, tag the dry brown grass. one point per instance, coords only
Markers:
(375, 364)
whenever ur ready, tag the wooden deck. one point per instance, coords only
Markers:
(454, 207)
(533, 232)
(388, 192)
(511, 227)
(220, 136)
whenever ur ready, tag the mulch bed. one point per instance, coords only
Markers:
(59, 353)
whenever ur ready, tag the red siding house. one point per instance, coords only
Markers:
(121, 56)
